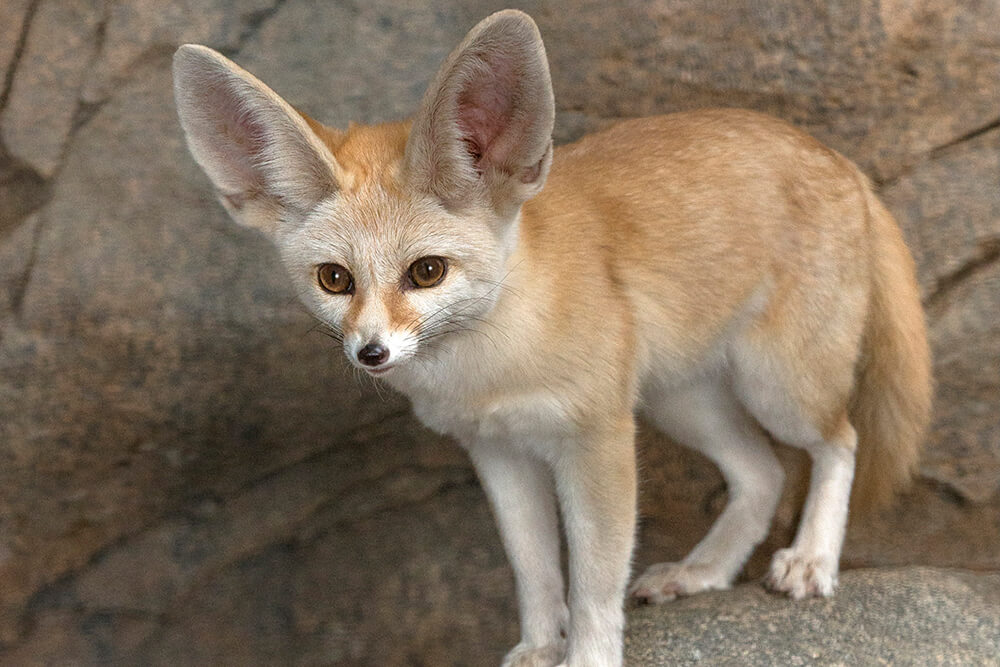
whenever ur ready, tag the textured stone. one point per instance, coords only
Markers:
(947, 214)
(952, 223)
(190, 476)
(12, 19)
(939, 67)
(15, 257)
(932, 523)
(912, 616)
(374, 58)
(138, 31)
(964, 451)
(354, 588)
(127, 398)
(60, 47)
(22, 191)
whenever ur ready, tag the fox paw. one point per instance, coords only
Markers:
(668, 581)
(525, 655)
(801, 576)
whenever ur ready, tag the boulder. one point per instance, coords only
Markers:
(191, 475)
(906, 616)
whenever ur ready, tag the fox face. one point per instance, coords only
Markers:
(394, 235)
(390, 276)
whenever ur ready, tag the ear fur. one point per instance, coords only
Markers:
(484, 128)
(260, 154)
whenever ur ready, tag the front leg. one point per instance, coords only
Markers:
(520, 491)
(596, 481)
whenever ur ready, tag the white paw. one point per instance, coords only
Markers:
(667, 581)
(524, 655)
(802, 576)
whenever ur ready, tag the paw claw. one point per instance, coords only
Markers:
(668, 581)
(800, 576)
(524, 655)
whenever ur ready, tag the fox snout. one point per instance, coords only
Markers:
(373, 354)
(370, 354)
(378, 350)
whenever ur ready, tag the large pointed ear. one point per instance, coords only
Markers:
(264, 160)
(484, 128)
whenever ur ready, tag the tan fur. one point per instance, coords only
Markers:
(719, 270)
(370, 154)
(401, 312)
(681, 278)
(792, 234)
(891, 404)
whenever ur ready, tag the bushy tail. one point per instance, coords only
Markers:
(891, 405)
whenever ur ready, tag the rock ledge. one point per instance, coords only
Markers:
(905, 616)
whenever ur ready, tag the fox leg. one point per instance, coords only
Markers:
(809, 567)
(521, 492)
(708, 417)
(596, 482)
(801, 399)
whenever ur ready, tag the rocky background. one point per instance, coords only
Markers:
(188, 474)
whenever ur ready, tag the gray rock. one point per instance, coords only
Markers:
(13, 15)
(141, 30)
(909, 616)
(61, 44)
(16, 253)
(952, 223)
(948, 216)
(964, 450)
(190, 474)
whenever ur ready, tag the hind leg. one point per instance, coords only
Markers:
(801, 400)
(809, 567)
(708, 418)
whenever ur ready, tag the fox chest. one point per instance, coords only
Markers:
(528, 419)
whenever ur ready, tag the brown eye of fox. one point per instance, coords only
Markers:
(335, 279)
(428, 271)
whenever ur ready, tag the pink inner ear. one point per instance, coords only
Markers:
(485, 108)
(244, 135)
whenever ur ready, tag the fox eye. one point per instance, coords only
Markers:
(428, 271)
(335, 279)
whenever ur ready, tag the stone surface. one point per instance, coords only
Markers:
(16, 254)
(22, 190)
(61, 45)
(963, 451)
(949, 217)
(363, 588)
(13, 16)
(910, 616)
(190, 475)
(140, 31)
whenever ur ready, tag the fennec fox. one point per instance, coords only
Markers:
(719, 271)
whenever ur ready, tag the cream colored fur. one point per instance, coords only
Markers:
(720, 271)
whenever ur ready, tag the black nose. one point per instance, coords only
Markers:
(373, 354)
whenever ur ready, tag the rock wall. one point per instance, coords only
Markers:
(190, 475)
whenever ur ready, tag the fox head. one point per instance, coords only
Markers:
(394, 235)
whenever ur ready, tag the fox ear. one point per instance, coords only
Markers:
(260, 154)
(484, 128)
